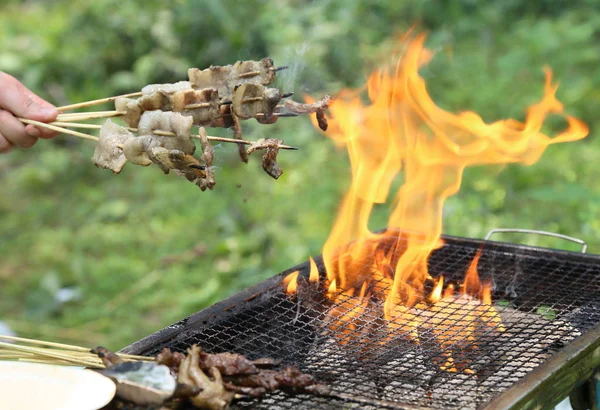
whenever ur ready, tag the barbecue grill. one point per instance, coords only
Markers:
(549, 301)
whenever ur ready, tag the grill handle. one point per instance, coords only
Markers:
(534, 232)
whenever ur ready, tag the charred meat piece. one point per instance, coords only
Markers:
(226, 78)
(322, 120)
(170, 359)
(207, 149)
(289, 379)
(300, 108)
(261, 72)
(155, 101)
(317, 107)
(202, 105)
(108, 358)
(252, 99)
(228, 363)
(168, 88)
(271, 147)
(168, 121)
(213, 77)
(132, 109)
(108, 153)
(213, 395)
(136, 149)
(208, 381)
(237, 134)
(187, 165)
(264, 362)
(207, 176)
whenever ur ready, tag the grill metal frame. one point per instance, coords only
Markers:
(543, 386)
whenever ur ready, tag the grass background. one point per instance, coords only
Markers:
(92, 258)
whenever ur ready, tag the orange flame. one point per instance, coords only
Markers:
(314, 272)
(401, 128)
(291, 282)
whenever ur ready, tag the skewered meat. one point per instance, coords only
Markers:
(132, 109)
(136, 149)
(170, 359)
(207, 149)
(227, 363)
(168, 160)
(237, 134)
(155, 101)
(214, 76)
(271, 147)
(262, 71)
(317, 107)
(169, 121)
(205, 103)
(219, 96)
(108, 154)
(290, 379)
(169, 88)
(300, 108)
(226, 78)
(207, 176)
(251, 99)
(223, 120)
(183, 98)
(213, 396)
(108, 358)
(322, 120)
(208, 381)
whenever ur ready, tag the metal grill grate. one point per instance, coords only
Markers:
(548, 298)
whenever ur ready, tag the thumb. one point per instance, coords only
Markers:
(21, 102)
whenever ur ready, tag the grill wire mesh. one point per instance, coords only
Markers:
(546, 299)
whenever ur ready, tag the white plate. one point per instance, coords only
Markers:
(25, 386)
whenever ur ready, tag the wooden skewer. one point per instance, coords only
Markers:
(171, 134)
(223, 139)
(198, 105)
(39, 342)
(84, 116)
(59, 129)
(48, 352)
(70, 349)
(76, 125)
(96, 102)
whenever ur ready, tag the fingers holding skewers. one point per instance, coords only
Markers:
(17, 101)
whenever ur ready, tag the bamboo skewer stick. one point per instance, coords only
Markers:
(40, 342)
(55, 353)
(45, 352)
(96, 102)
(59, 129)
(71, 349)
(76, 125)
(168, 134)
(84, 116)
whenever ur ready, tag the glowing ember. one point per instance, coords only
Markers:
(402, 129)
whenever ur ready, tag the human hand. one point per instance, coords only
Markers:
(16, 100)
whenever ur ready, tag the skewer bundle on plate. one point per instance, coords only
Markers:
(158, 121)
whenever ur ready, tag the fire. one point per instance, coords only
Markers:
(401, 129)
(291, 282)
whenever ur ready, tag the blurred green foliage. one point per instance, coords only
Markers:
(89, 257)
